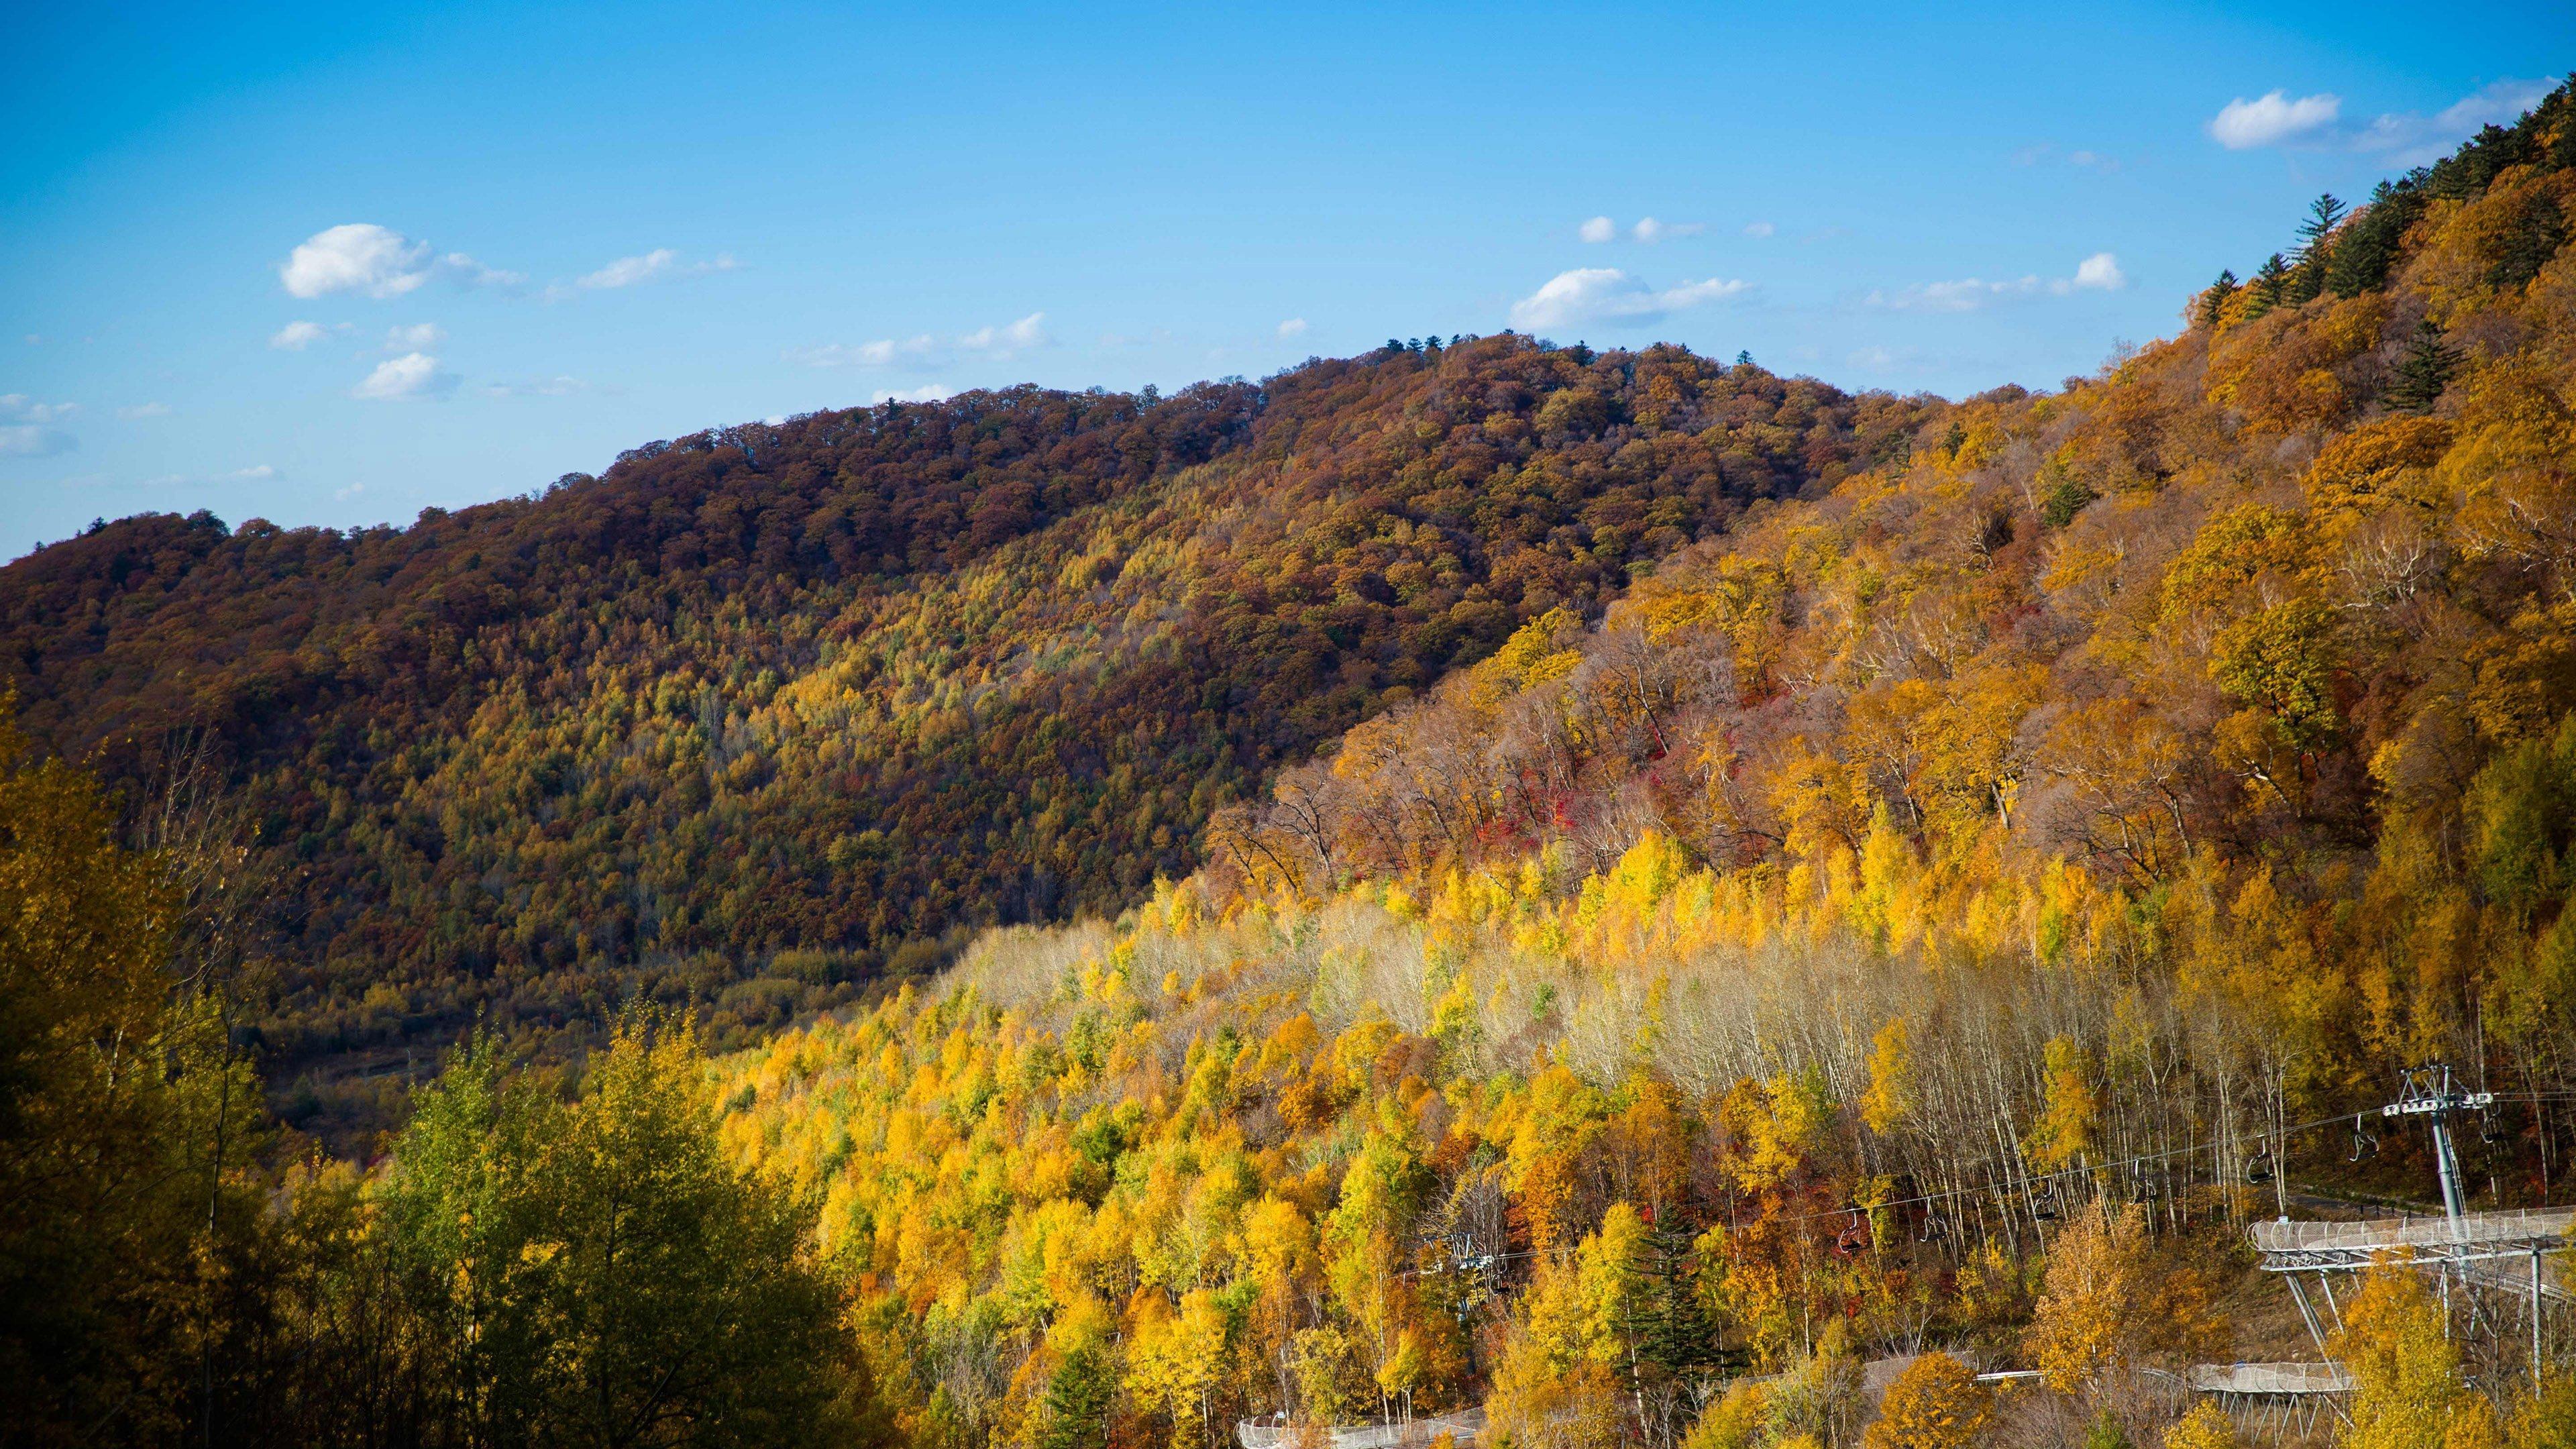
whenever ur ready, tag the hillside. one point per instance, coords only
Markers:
(1938, 913)
(1995, 856)
(757, 714)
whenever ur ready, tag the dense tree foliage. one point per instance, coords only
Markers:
(524, 1267)
(1937, 913)
(738, 719)
(1986, 860)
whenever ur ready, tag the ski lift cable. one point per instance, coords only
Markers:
(2038, 1179)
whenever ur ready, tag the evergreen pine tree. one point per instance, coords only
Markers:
(1077, 1403)
(2214, 301)
(2423, 372)
(2367, 250)
(2316, 248)
(1676, 1335)
(2266, 291)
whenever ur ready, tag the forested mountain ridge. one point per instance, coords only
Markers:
(1918, 929)
(1928, 923)
(741, 716)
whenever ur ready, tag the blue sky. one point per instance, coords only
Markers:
(331, 265)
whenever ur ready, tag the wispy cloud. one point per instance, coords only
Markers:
(2047, 151)
(1293, 327)
(1759, 229)
(402, 379)
(414, 337)
(144, 410)
(30, 429)
(537, 387)
(1647, 230)
(926, 352)
(2099, 272)
(377, 262)
(255, 473)
(296, 336)
(661, 262)
(2406, 138)
(1607, 296)
(927, 392)
(1029, 331)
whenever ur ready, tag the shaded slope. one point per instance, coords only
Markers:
(738, 718)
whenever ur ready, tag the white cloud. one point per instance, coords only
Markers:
(412, 375)
(1029, 331)
(627, 271)
(2100, 272)
(255, 473)
(1964, 295)
(358, 257)
(2406, 138)
(1598, 229)
(1608, 296)
(18, 407)
(415, 337)
(2410, 138)
(926, 352)
(1293, 327)
(30, 432)
(882, 353)
(463, 270)
(144, 410)
(352, 491)
(1759, 228)
(2273, 119)
(378, 261)
(1651, 231)
(538, 387)
(927, 392)
(33, 440)
(296, 336)
(659, 262)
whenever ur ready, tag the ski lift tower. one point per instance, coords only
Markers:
(2475, 1250)
(2429, 1093)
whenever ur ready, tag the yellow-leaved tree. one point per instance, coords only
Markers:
(1936, 1403)
(2407, 1390)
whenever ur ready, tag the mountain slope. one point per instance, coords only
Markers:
(1934, 917)
(734, 721)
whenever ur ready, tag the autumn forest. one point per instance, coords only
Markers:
(1491, 893)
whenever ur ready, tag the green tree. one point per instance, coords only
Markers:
(2423, 371)
(1078, 1397)
(2269, 288)
(2316, 248)
(2215, 299)
(597, 1272)
(2370, 246)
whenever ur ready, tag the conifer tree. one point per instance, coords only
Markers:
(1077, 1402)
(2269, 287)
(2368, 248)
(2316, 248)
(2214, 301)
(2423, 371)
